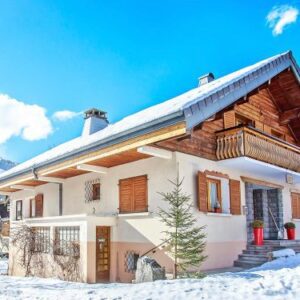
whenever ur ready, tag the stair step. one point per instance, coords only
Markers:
(252, 258)
(246, 265)
(256, 252)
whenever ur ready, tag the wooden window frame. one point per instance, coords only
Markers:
(19, 216)
(95, 188)
(218, 183)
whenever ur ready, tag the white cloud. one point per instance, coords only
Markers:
(281, 16)
(64, 115)
(20, 119)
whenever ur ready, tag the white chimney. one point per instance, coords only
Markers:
(94, 120)
(204, 79)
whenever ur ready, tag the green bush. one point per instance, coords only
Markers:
(258, 224)
(289, 225)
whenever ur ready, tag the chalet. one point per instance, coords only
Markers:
(235, 140)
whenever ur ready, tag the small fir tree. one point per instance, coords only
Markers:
(185, 240)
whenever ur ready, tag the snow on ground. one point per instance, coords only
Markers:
(3, 266)
(279, 279)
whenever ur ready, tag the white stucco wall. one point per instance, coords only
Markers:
(226, 234)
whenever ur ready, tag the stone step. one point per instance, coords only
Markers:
(245, 265)
(256, 252)
(253, 258)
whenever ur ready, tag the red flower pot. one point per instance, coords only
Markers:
(290, 233)
(258, 236)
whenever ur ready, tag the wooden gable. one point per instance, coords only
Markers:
(260, 107)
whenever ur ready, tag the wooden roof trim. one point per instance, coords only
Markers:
(149, 138)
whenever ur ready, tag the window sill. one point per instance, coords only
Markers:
(134, 214)
(218, 214)
(296, 220)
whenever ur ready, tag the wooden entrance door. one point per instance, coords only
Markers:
(102, 253)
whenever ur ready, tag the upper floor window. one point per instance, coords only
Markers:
(242, 120)
(36, 206)
(133, 193)
(96, 191)
(19, 210)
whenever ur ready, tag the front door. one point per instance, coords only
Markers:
(102, 253)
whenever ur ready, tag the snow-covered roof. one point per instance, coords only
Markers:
(181, 105)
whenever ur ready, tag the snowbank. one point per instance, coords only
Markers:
(276, 280)
(3, 266)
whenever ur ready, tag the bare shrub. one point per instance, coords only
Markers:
(65, 266)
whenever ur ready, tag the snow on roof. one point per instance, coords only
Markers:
(153, 113)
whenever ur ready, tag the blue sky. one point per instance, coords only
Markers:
(121, 56)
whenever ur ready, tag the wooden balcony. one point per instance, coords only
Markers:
(250, 142)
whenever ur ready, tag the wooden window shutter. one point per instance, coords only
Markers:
(126, 195)
(133, 194)
(235, 196)
(295, 197)
(140, 193)
(202, 192)
(30, 208)
(229, 119)
(39, 199)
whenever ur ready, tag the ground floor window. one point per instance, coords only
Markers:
(41, 236)
(67, 241)
(214, 195)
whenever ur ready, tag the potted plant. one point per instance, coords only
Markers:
(258, 231)
(290, 230)
(217, 207)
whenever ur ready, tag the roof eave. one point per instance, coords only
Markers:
(154, 125)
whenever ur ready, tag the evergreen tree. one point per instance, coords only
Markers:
(186, 241)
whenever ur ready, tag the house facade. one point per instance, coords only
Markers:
(234, 140)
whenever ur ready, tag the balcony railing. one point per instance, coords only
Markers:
(247, 141)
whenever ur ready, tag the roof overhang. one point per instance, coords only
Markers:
(203, 108)
(115, 154)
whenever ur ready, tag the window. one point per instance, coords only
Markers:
(131, 259)
(133, 194)
(214, 195)
(41, 236)
(36, 206)
(96, 191)
(19, 210)
(67, 241)
(241, 120)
